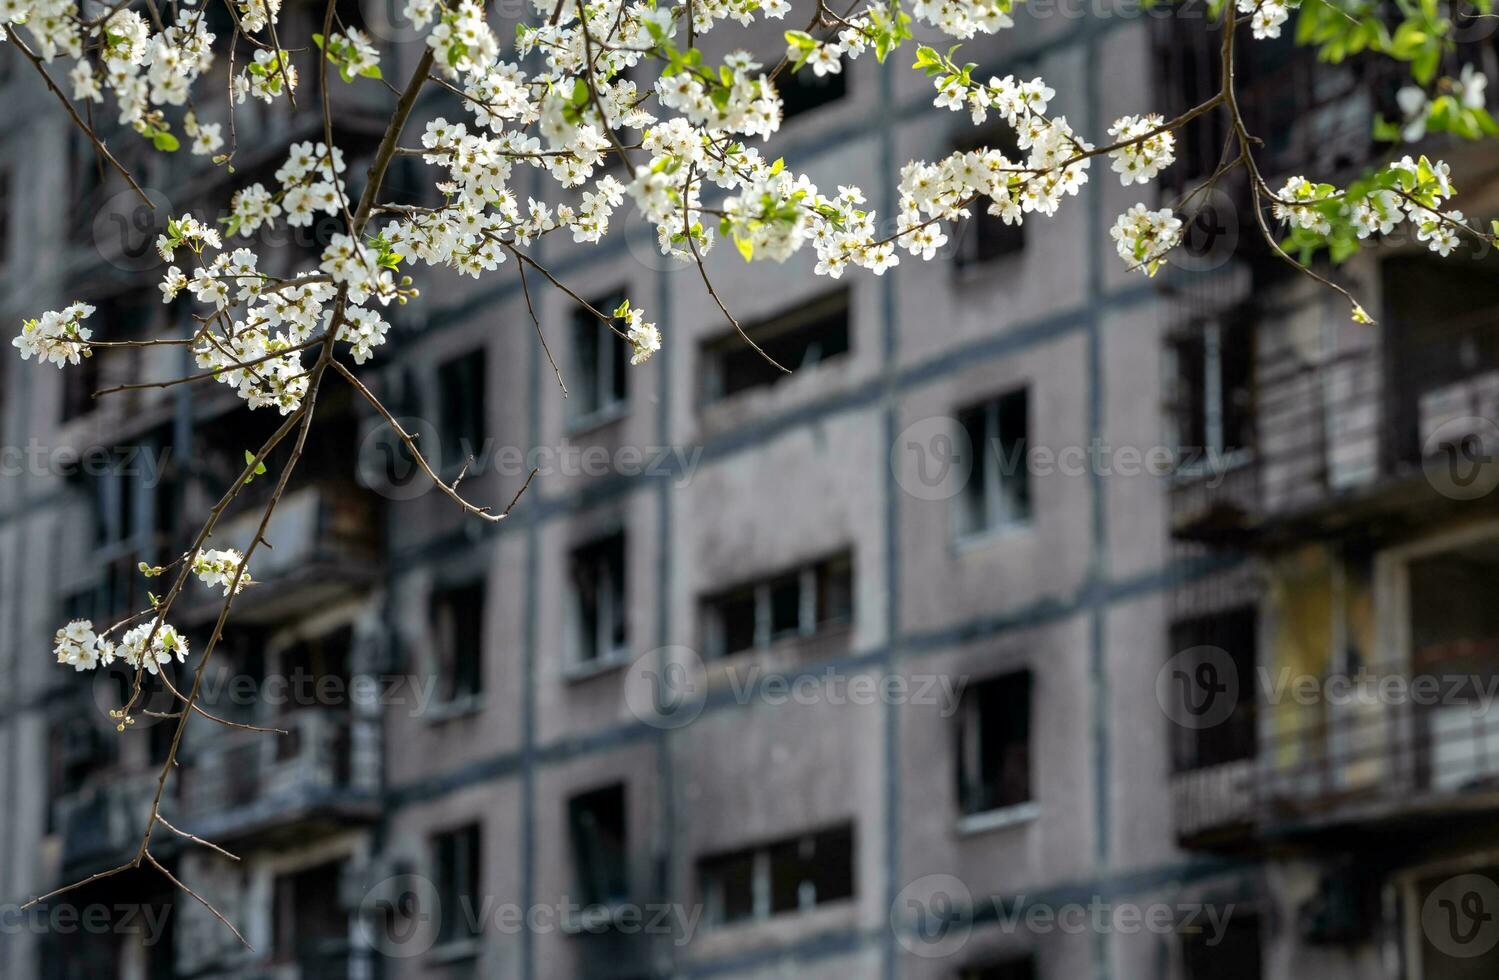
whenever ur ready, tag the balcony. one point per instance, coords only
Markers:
(1383, 434)
(101, 823)
(320, 776)
(1383, 766)
(1214, 807)
(324, 541)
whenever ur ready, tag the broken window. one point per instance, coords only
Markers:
(457, 616)
(998, 491)
(460, 390)
(1212, 369)
(599, 359)
(1232, 632)
(600, 858)
(598, 579)
(792, 875)
(455, 874)
(798, 603)
(798, 339)
(994, 744)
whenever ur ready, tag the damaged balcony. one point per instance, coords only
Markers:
(1399, 744)
(1368, 431)
(323, 537)
(319, 777)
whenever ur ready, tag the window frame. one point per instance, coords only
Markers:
(814, 581)
(610, 366)
(612, 604)
(1000, 515)
(971, 778)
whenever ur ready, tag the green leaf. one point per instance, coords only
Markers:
(165, 141)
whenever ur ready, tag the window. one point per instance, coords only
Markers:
(458, 640)
(309, 926)
(985, 237)
(797, 340)
(792, 875)
(455, 873)
(1212, 367)
(598, 360)
(998, 491)
(460, 384)
(799, 603)
(1022, 969)
(598, 579)
(802, 91)
(1233, 954)
(994, 744)
(1234, 633)
(600, 864)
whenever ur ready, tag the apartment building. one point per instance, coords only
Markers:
(625, 732)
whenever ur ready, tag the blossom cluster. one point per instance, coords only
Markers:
(78, 646)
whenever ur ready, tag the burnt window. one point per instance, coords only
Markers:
(797, 340)
(457, 616)
(795, 874)
(801, 602)
(1219, 642)
(598, 583)
(455, 875)
(994, 744)
(460, 390)
(599, 360)
(985, 237)
(1021, 969)
(596, 820)
(1232, 953)
(804, 90)
(1213, 371)
(6, 204)
(998, 490)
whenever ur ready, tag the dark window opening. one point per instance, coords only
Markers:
(985, 237)
(802, 91)
(994, 744)
(998, 491)
(796, 874)
(797, 340)
(460, 384)
(1214, 377)
(458, 640)
(1022, 969)
(1233, 633)
(599, 359)
(598, 578)
(309, 926)
(600, 854)
(1233, 954)
(799, 603)
(456, 864)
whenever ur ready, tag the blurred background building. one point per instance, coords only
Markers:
(1100, 546)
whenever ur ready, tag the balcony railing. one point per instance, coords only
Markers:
(1428, 744)
(324, 540)
(1340, 437)
(242, 783)
(104, 820)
